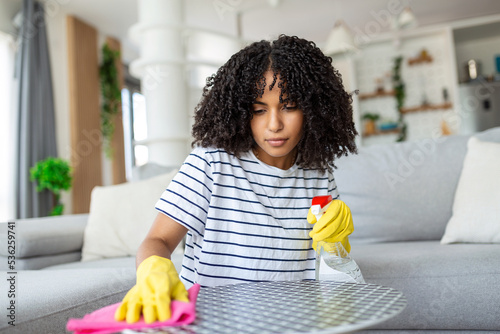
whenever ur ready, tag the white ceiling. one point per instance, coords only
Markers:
(260, 19)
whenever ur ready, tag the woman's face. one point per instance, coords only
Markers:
(276, 127)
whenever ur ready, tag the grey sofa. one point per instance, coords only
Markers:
(398, 226)
(401, 197)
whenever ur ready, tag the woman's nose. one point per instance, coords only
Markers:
(274, 122)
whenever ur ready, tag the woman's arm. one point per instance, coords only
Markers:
(162, 238)
(156, 275)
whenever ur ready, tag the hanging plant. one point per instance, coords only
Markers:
(400, 95)
(111, 95)
(53, 174)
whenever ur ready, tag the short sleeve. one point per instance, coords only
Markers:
(332, 186)
(187, 198)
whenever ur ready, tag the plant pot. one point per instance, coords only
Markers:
(370, 127)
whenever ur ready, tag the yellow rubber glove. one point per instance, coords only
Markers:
(156, 285)
(334, 225)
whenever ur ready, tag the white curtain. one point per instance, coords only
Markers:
(7, 126)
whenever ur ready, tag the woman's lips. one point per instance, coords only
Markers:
(276, 142)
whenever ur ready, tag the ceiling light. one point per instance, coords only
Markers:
(340, 40)
(274, 3)
(406, 19)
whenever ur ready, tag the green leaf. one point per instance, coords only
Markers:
(53, 174)
(111, 95)
(57, 210)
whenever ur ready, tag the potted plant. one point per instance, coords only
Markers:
(370, 119)
(53, 174)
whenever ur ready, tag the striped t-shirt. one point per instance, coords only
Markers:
(246, 221)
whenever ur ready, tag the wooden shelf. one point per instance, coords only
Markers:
(382, 132)
(420, 60)
(427, 107)
(376, 94)
(423, 57)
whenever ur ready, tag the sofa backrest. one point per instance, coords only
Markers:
(403, 191)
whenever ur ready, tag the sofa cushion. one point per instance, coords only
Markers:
(450, 287)
(46, 236)
(403, 191)
(115, 262)
(120, 217)
(39, 262)
(476, 210)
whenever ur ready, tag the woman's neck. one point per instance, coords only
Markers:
(285, 162)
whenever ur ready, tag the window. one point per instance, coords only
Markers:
(140, 128)
(7, 125)
(135, 130)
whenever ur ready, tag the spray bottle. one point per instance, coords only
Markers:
(333, 262)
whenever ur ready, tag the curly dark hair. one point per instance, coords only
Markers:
(307, 78)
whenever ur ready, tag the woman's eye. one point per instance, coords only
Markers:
(258, 111)
(290, 107)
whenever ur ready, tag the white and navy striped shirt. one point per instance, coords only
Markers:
(246, 220)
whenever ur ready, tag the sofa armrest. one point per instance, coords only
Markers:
(46, 236)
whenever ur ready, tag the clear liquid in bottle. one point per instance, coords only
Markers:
(334, 263)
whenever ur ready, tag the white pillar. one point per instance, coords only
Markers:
(161, 70)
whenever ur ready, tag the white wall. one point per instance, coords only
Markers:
(345, 66)
(422, 81)
(57, 38)
(58, 46)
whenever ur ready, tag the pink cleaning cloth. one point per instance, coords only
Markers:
(103, 320)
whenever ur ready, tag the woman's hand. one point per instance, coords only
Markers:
(157, 284)
(333, 226)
